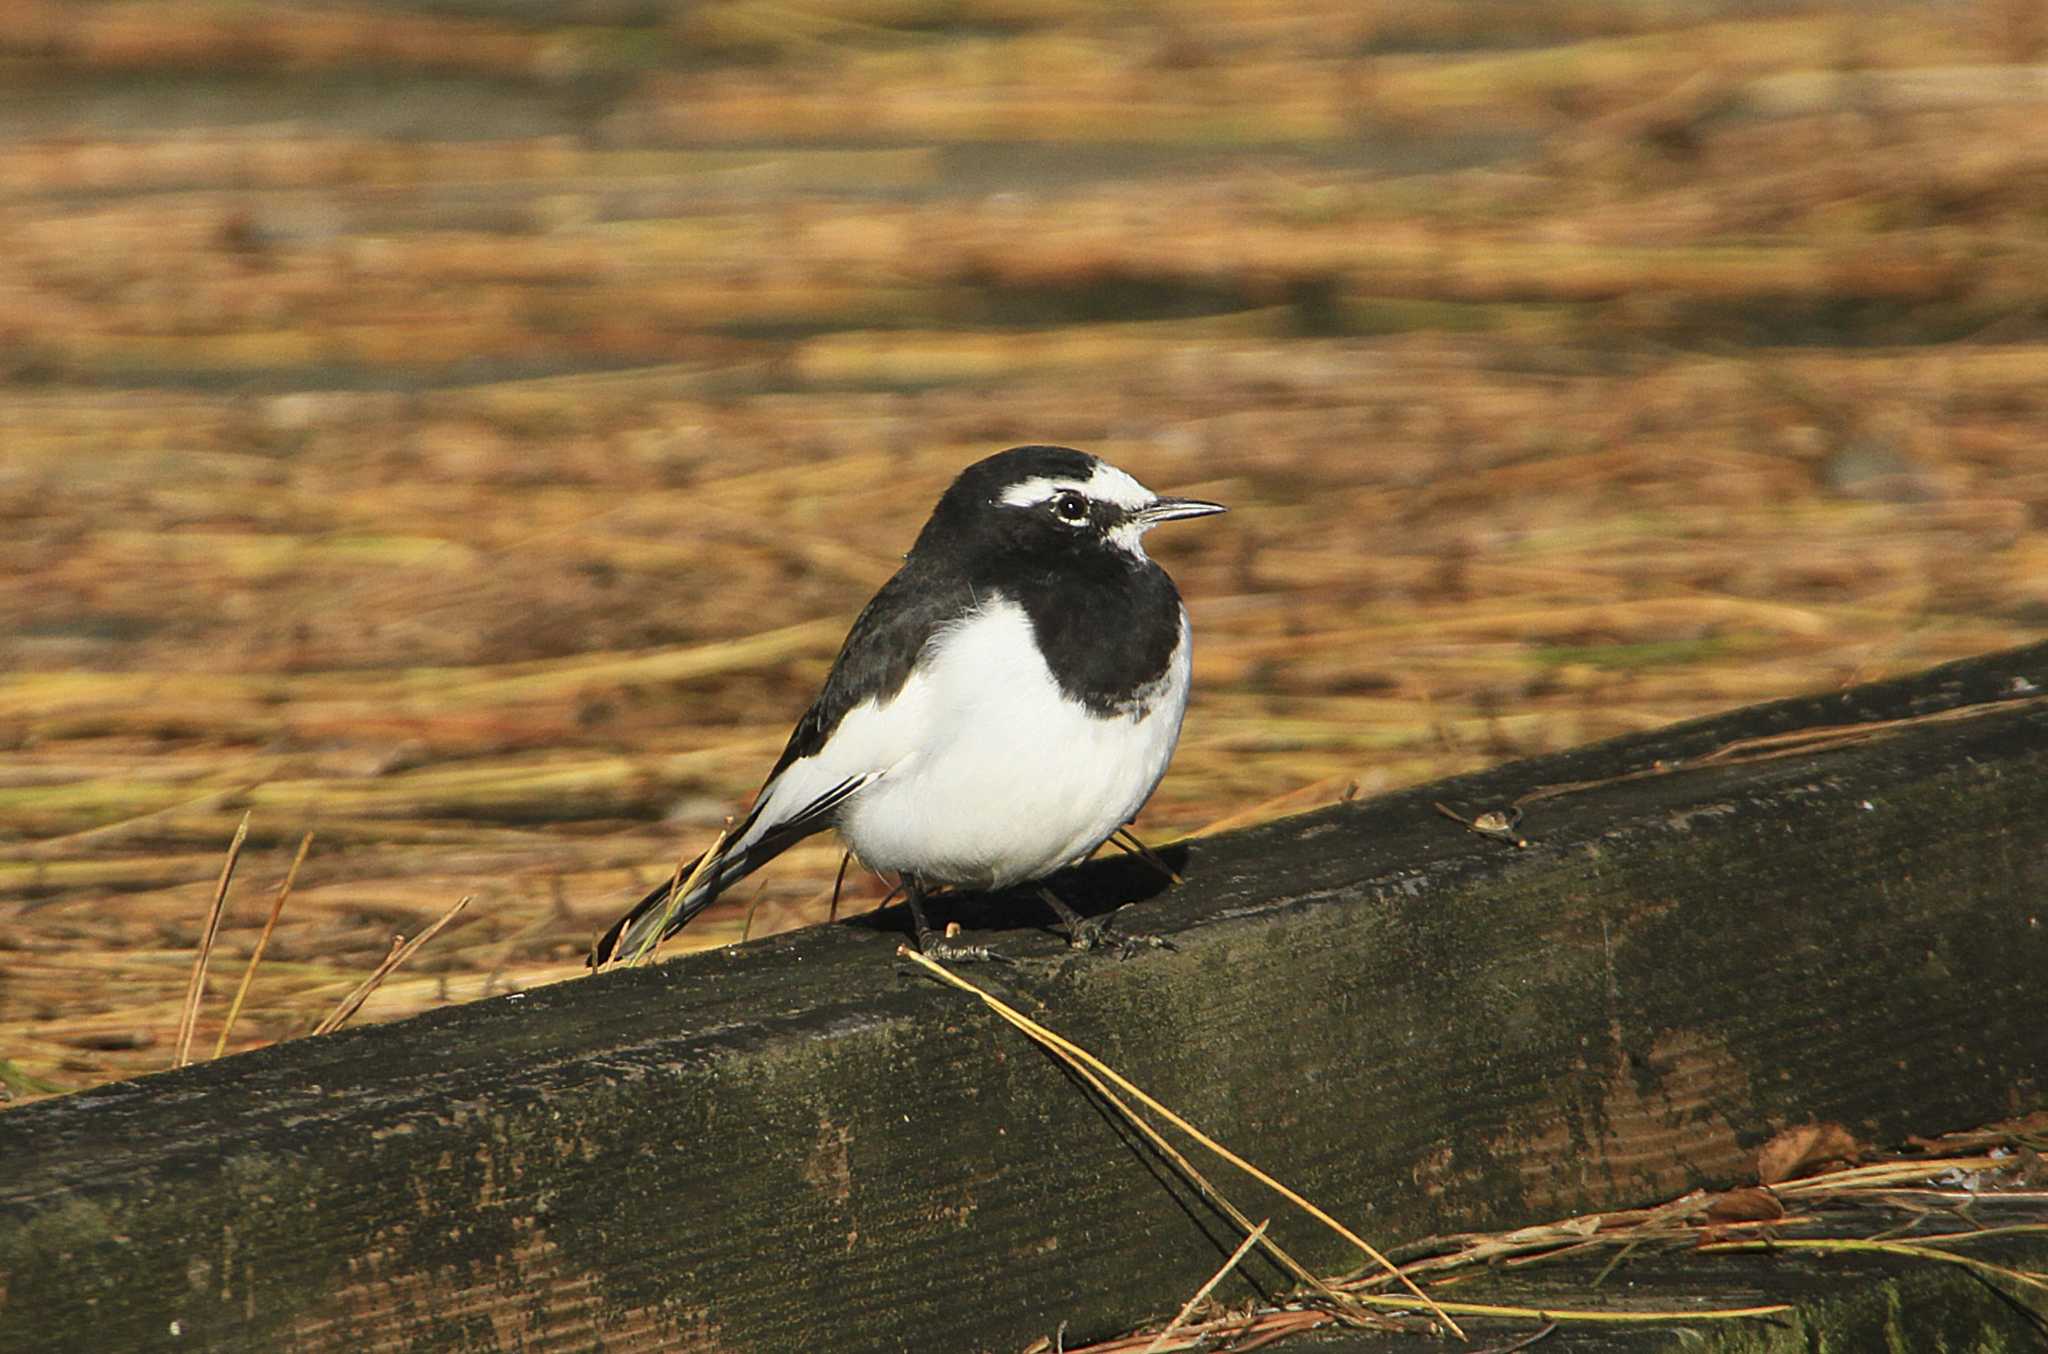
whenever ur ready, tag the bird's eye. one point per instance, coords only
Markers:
(1070, 507)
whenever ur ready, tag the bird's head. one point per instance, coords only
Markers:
(1051, 502)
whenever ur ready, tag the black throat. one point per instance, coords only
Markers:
(1107, 622)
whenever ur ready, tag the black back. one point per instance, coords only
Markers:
(1107, 620)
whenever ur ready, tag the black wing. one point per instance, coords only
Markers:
(892, 631)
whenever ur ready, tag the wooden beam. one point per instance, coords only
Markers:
(1840, 1301)
(801, 1144)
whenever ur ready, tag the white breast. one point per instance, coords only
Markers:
(989, 775)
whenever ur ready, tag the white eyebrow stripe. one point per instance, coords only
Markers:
(1110, 485)
(1106, 484)
(1038, 490)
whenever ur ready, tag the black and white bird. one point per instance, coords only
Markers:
(1003, 705)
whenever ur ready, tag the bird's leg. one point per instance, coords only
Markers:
(1130, 842)
(914, 895)
(1084, 933)
(931, 944)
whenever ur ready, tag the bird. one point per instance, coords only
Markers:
(1005, 703)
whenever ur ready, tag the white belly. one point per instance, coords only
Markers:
(997, 777)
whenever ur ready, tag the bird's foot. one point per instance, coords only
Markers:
(1094, 933)
(949, 950)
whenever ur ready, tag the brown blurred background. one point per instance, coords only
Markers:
(465, 428)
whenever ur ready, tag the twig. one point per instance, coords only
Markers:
(838, 882)
(1187, 1308)
(1770, 746)
(249, 974)
(1525, 1342)
(753, 906)
(1319, 794)
(1131, 843)
(1884, 1173)
(1918, 1250)
(1599, 1318)
(196, 989)
(400, 952)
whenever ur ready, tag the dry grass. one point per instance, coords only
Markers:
(1848, 1211)
(491, 504)
(1101, 1078)
(1813, 1181)
(203, 954)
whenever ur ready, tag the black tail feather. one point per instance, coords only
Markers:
(631, 933)
(608, 945)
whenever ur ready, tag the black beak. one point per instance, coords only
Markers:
(1173, 509)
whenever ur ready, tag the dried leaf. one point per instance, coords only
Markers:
(1751, 1204)
(1797, 1151)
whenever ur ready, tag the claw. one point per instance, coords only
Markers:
(951, 952)
(1094, 933)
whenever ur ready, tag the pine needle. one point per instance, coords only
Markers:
(1188, 1308)
(1928, 1249)
(401, 950)
(1075, 1053)
(195, 991)
(284, 891)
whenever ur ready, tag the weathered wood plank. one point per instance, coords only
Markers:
(794, 1144)
(1838, 1302)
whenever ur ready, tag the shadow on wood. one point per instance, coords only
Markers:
(798, 1144)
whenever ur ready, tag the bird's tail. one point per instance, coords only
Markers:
(672, 903)
(738, 852)
(662, 913)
